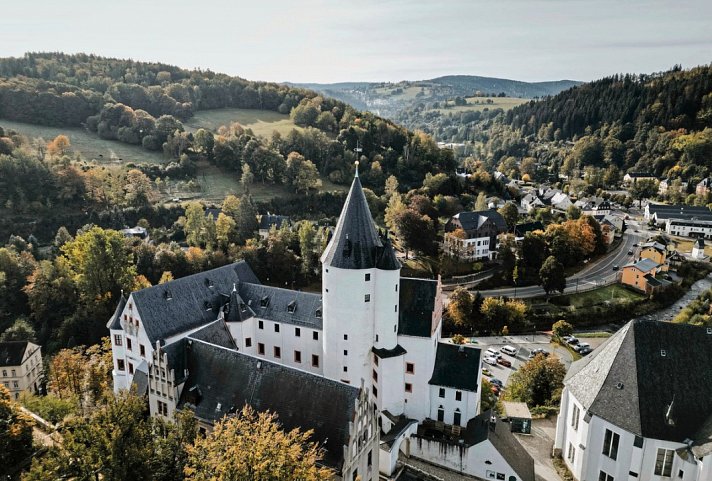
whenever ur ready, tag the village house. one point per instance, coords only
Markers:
(640, 406)
(665, 184)
(473, 235)
(362, 363)
(703, 187)
(632, 177)
(21, 367)
(640, 275)
(267, 221)
(656, 252)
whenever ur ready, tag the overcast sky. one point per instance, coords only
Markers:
(373, 40)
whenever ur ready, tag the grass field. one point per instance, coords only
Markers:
(88, 144)
(684, 246)
(481, 103)
(262, 122)
(598, 296)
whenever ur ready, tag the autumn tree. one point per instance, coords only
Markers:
(225, 231)
(643, 189)
(252, 446)
(538, 382)
(194, 225)
(15, 432)
(552, 275)
(511, 215)
(488, 400)
(562, 328)
(459, 307)
(415, 231)
(481, 202)
(59, 146)
(246, 220)
(498, 312)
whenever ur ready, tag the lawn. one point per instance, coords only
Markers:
(603, 295)
(684, 246)
(262, 122)
(88, 144)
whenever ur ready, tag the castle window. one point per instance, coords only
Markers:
(315, 335)
(120, 363)
(395, 308)
(297, 332)
(297, 356)
(318, 313)
(128, 344)
(367, 298)
(458, 397)
(457, 417)
(315, 360)
(610, 444)
(396, 287)
(260, 348)
(142, 350)
(276, 328)
(375, 360)
(346, 352)
(346, 337)
(441, 392)
(264, 302)
(117, 339)
(663, 462)
(131, 368)
(410, 368)
(375, 375)
(408, 387)
(277, 352)
(248, 342)
(260, 325)
(346, 369)
(375, 391)
(368, 277)
(441, 414)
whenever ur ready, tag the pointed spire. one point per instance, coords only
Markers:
(356, 163)
(356, 243)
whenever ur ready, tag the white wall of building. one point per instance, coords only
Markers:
(385, 299)
(421, 353)
(467, 406)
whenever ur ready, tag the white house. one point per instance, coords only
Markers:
(366, 351)
(640, 406)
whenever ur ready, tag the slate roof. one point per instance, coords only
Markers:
(386, 353)
(644, 265)
(684, 212)
(655, 245)
(278, 300)
(269, 220)
(456, 366)
(140, 379)
(115, 320)
(12, 352)
(189, 302)
(222, 381)
(237, 309)
(417, 303)
(356, 244)
(475, 219)
(177, 359)
(216, 333)
(521, 229)
(480, 429)
(628, 382)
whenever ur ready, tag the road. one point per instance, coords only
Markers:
(598, 273)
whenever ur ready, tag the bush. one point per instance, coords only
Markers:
(49, 407)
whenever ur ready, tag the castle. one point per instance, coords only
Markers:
(362, 364)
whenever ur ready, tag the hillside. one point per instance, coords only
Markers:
(390, 99)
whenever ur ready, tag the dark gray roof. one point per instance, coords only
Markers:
(306, 305)
(115, 320)
(679, 211)
(269, 220)
(630, 383)
(356, 244)
(12, 352)
(456, 366)
(475, 219)
(644, 265)
(417, 303)
(140, 380)
(216, 333)
(237, 309)
(481, 428)
(177, 359)
(189, 302)
(222, 381)
(386, 353)
(523, 228)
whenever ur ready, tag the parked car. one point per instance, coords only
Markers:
(635, 245)
(585, 351)
(496, 382)
(630, 253)
(492, 352)
(580, 346)
(512, 351)
(504, 362)
(486, 372)
(572, 341)
(615, 268)
(536, 351)
(492, 361)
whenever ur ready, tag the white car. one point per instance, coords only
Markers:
(512, 351)
(492, 352)
(492, 361)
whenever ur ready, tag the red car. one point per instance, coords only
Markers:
(504, 362)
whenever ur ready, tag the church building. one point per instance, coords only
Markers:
(362, 363)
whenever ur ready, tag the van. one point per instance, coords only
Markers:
(492, 352)
(509, 350)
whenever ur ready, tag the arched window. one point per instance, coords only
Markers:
(457, 418)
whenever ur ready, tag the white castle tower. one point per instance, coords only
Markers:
(360, 278)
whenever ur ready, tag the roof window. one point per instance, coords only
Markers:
(318, 313)
(167, 295)
(292, 306)
(208, 282)
(663, 353)
(264, 302)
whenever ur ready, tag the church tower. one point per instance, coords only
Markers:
(360, 279)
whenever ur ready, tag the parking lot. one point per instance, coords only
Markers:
(524, 345)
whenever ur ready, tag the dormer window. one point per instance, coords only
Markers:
(208, 282)
(207, 305)
(243, 307)
(318, 313)
(167, 295)
(264, 302)
(292, 306)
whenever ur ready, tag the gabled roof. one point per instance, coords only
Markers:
(456, 366)
(269, 220)
(273, 304)
(521, 229)
(189, 302)
(475, 219)
(12, 352)
(222, 381)
(115, 320)
(632, 379)
(644, 265)
(237, 308)
(216, 333)
(356, 244)
(654, 245)
(416, 306)
(684, 212)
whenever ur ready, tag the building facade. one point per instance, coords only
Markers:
(472, 236)
(21, 367)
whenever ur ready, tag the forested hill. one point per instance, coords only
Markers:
(391, 99)
(144, 103)
(673, 100)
